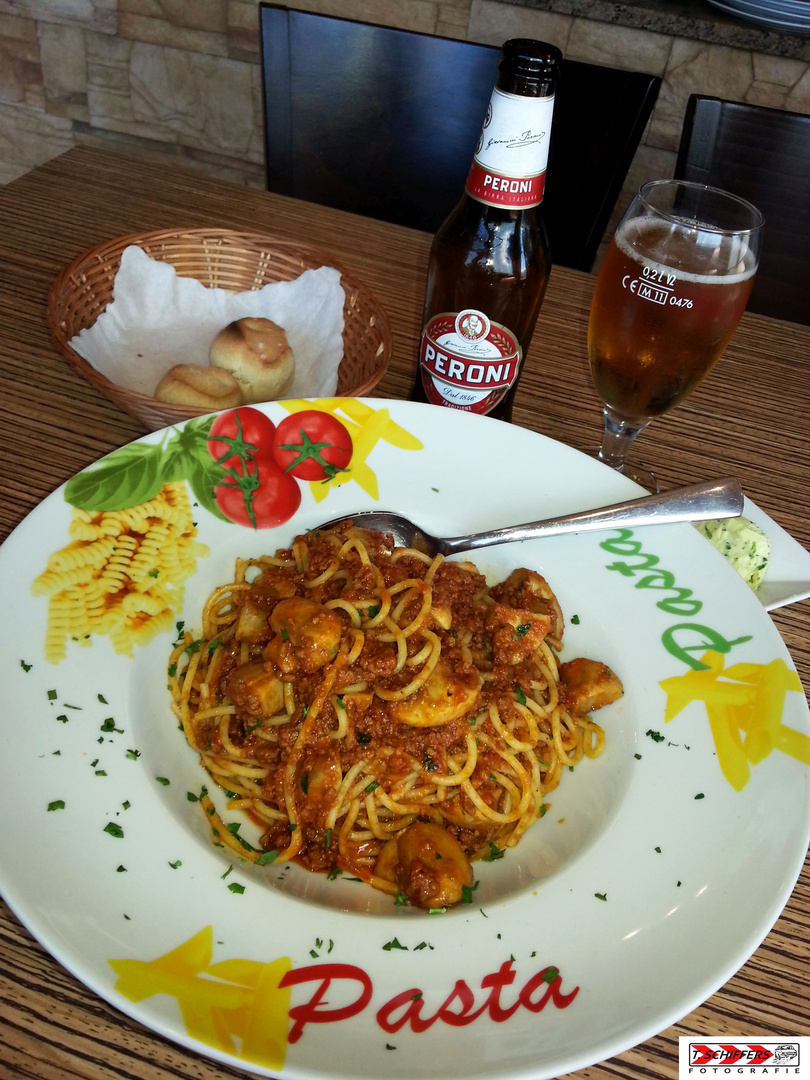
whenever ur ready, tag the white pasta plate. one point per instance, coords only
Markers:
(559, 960)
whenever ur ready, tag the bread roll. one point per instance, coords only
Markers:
(200, 388)
(258, 355)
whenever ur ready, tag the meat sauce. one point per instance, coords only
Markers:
(488, 639)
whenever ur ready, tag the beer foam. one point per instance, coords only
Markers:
(632, 237)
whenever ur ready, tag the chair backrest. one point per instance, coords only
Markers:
(384, 123)
(762, 155)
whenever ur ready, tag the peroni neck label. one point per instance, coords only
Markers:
(509, 167)
(467, 362)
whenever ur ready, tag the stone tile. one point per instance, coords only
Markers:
(775, 79)
(798, 100)
(210, 15)
(162, 32)
(99, 15)
(453, 22)
(618, 46)
(201, 100)
(696, 68)
(493, 23)
(419, 15)
(64, 69)
(13, 28)
(243, 29)
(104, 49)
(29, 138)
(20, 65)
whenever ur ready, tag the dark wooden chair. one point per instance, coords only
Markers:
(763, 155)
(384, 123)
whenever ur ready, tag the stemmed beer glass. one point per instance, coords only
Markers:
(669, 295)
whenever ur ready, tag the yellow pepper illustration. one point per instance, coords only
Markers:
(367, 427)
(235, 1006)
(744, 704)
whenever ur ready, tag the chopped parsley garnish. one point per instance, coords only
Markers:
(494, 853)
(24, 666)
(120, 869)
(174, 865)
(656, 736)
(163, 780)
(235, 887)
(52, 695)
(550, 974)
(334, 873)
(394, 943)
(102, 699)
(372, 785)
(114, 830)
(522, 630)
(62, 718)
(57, 804)
(428, 764)
(600, 895)
(109, 725)
(133, 755)
(305, 783)
(521, 696)
(575, 620)
(266, 858)
(700, 795)
(363, 738)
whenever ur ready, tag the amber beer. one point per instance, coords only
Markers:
(657, 327)
(489, 262)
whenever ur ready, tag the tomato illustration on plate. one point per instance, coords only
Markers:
(263, 463)
(312, 445)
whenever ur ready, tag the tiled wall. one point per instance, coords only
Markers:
(178, 81)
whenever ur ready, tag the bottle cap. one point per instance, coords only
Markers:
(527, 57)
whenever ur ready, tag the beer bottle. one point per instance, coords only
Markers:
(489, 262)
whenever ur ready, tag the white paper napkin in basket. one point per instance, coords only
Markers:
(157, 319)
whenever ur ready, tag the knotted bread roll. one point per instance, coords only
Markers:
(199, 388)
(256, 352)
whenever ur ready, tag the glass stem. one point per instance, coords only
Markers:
(616, 440)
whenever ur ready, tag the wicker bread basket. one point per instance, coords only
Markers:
(236, 261)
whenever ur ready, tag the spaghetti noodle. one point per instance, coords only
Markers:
(382, 712)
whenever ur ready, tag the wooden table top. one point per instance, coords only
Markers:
(748, 419)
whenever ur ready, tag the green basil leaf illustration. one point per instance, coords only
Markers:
(204, 478)
(127, 477)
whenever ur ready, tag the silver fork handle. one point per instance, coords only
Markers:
(697, 502)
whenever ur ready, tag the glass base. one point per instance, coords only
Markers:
(617, 438)
(638, 473)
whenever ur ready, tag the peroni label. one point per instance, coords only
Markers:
(509, 167)
(467, 362)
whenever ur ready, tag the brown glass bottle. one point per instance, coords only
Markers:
(489, 262)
